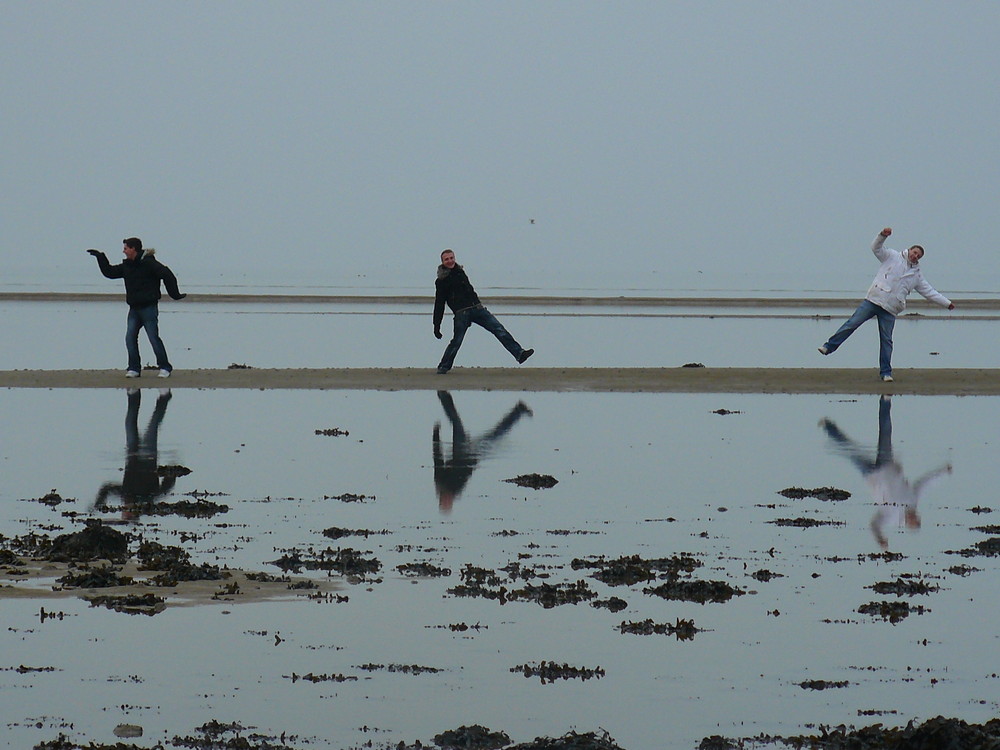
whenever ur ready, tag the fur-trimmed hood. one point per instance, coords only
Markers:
(444, 272)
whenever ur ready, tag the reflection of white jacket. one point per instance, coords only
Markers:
(894, 496)
(896, 278)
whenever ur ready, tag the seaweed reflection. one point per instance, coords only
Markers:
(452, 474)
(143, 480)
(896, 498)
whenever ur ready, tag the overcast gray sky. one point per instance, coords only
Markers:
(731, 143)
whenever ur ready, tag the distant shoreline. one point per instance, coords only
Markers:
(923, 382)
(984, 303)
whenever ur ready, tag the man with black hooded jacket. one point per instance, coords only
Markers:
(454, 289)
(142, 274)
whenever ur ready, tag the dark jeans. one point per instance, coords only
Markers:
(482, 317)
(148, 318)
(886, 322)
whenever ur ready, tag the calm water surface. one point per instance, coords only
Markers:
(207, 335)
(649, 474)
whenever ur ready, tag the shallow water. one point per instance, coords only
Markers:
(48, 335)
(648, 474)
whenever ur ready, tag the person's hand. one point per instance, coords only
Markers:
(951, 306)
(886, 232)
(437, 332)
(95, 253)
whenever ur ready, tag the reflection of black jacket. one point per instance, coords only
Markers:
(454, 288)
(142, 278)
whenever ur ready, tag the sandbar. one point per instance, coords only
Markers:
(686, 379)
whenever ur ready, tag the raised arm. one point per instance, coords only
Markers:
(879, 241)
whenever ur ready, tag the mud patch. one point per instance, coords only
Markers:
(683, 630)
(893, 612)
(534, 481)
(548, 672)
(820, 493)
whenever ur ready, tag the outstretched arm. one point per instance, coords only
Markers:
(932, 294)
(109, 271)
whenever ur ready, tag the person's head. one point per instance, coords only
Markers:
(914, 254)
(132, 247)
(448, 259)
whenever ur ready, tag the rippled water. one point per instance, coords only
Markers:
(649, 474)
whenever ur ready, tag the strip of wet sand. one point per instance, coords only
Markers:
(916, 381)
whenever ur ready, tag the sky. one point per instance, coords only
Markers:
(607, 145)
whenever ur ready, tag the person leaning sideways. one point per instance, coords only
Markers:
(142, 274)
(454, 289)
(898, 275)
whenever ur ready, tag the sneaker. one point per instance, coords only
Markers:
(132, 373)
(524, 356)
(164, 374)
(823, 350)
(887, 378)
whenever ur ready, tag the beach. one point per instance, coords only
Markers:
(928, 382)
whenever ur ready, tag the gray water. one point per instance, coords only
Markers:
(648, 474)
(47, 335)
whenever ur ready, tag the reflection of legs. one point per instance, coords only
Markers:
(884, 431)
(463, 320)
(458, 436)
(886, 322)
(852, 450)
(502, 427)
(488, 320)
(132, 423)
(865, 311)
(149, 439)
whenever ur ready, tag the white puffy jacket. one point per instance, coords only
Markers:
(896, 278)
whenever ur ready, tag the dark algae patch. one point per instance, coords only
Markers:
(534, 481)
(939, 733)
(820, 493)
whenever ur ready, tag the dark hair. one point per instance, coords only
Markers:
(446, 251)
(133, 242)
(920, 248)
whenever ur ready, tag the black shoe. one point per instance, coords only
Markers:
(442, 371)
(524, 356)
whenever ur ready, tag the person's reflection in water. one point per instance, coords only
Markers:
(452, 474)
(895, 497)
(141, 483)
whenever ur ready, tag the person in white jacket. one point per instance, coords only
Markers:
(898, 275)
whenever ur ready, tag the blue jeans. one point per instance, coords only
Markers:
(148, 318)
(886, 322)
(482, 317)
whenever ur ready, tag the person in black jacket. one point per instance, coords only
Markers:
(454, 289)
(142, 274)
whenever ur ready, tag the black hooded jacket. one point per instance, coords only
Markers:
(142, 278)
(454, 289)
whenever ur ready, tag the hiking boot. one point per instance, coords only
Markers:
(524, 356)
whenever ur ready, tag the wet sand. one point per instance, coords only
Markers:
(926, 382)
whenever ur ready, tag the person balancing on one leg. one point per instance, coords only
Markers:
(454, 289)
(898, 275)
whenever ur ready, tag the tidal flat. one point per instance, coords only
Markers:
(395, 574)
